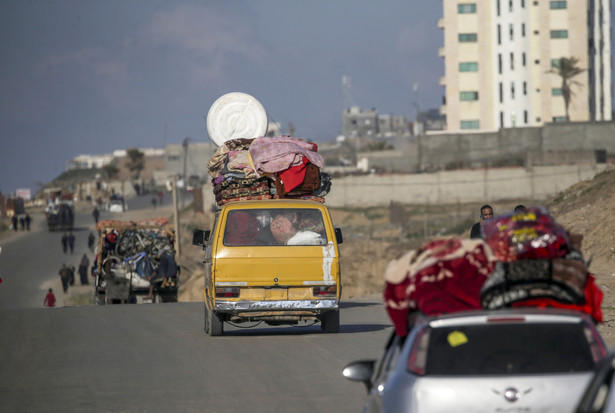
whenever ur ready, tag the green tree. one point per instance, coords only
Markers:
(566, 69)
(376, 146)
(136, 162)
(111, 171)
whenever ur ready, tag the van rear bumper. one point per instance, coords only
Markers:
(315, 306)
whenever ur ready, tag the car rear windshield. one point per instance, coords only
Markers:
(495, 349)
(275, 226)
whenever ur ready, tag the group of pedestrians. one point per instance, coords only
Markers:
(23, 220)
(67, 273)
(486, 213)
(68, 242)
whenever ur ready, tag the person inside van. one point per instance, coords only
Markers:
(285, 232)
(282, 229)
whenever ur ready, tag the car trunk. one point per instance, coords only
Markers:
(547, 393)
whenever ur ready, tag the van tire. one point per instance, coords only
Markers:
(330, 322)
(213, 323)
(206, 326)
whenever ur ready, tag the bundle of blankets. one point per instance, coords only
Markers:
(266, 168)
(524, 259)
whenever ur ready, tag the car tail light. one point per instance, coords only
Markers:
(417, 360)
(595, 343)
(325, 291)
(227, 292)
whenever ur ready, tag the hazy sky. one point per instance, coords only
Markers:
(91, 76)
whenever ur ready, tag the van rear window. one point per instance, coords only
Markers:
(275, 226)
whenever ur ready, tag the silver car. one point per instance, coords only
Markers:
(599, 397)
(513, 360)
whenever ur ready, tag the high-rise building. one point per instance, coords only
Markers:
(502, 59)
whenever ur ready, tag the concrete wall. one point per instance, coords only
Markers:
(480, 185)
(485, 185)
(441, 151)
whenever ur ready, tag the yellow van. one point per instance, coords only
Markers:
(275, 261)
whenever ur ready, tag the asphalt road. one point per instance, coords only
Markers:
(156, 357)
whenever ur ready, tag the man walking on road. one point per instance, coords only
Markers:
(96, 214)
(65, 277)
(65, 243)
(71, 242)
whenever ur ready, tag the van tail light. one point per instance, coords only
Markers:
(227, 292)
(417, 360)
(325, 291)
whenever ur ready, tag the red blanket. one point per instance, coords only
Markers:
(443, 276)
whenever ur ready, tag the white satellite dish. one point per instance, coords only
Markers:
(236, 115)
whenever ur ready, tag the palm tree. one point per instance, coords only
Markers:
(567, 69)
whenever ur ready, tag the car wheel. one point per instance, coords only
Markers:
(330, 322)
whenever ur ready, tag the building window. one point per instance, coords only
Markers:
(501, 92)
(524, 88)
(560, 119)
(467, 37)
(501, 119)
(523, 4)
(559, 34)
(512, 61)
(466, 8)
(500, 63)
(556, 5)
(523, 59)
(497, 6)
(536, 32)
(522, 29)
(525, 117)
(510, 5)
(511, 30)
(468, 96)
(470, 124)
(554, 63)
(468, 66)
(512, 90)
(499, 34)
(557, 91)
(537, 62)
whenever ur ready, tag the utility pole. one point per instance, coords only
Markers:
(185, 179)
(178, 249)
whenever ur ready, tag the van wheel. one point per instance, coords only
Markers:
(214, 324)
(330, 322)
(206, 326)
